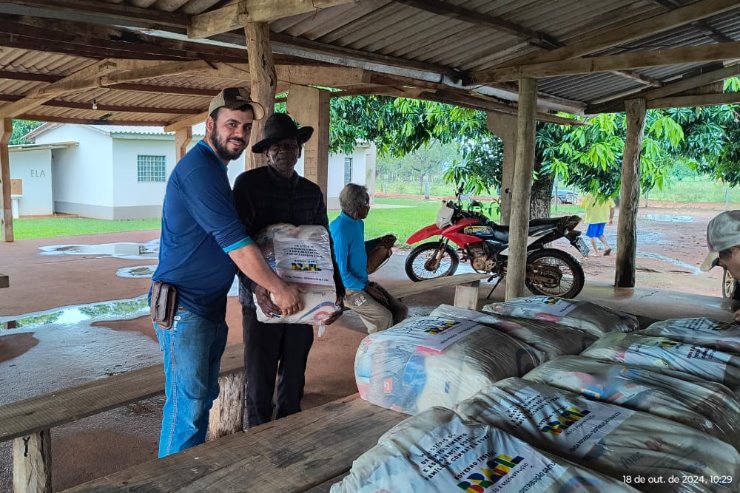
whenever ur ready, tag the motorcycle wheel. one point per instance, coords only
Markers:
(729, 286)
(417, 262)
(552, 272)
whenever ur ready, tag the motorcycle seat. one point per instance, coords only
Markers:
(501, 233)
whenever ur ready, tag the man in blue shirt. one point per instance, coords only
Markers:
(377, 308)
(201, 246)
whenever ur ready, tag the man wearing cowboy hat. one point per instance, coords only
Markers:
(202, 244)
(264, 196)
(723, 241)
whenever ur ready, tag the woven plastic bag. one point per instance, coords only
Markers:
(707, 332)
(437, 452)
(659, 353)
(301, 255)
(435, 361)
(707, 406)
(607, 438)
(584, 315)
(551, 338)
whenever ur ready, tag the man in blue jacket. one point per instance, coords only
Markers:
(377, 308)
(201, 246)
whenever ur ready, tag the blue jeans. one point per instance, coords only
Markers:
(192, 351)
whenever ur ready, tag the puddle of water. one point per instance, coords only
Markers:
(75, 314)
(683, 265)
(669, 218)
(129, 251)
(137, 272)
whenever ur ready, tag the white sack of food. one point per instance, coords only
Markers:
(551, 338)
(604, 437)
(435, 361)
(706, 332)
(584, 315)
(659, 353)
(301, 255)
(437, 452)
(707, 406)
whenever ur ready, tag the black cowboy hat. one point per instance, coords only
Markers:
(280, 126)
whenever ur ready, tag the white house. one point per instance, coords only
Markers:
(117, 172)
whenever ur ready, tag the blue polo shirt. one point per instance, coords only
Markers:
(348, 235)
(199, 227)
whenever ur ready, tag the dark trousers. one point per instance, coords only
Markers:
(270, 350)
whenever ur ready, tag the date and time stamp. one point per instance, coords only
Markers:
(678, 479)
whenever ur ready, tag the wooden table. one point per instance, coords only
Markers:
(305, 452)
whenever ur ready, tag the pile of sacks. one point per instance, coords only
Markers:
(534, 386)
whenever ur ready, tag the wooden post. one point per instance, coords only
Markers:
(504, 127)
(310, 107)
(32, 463)
(466, 295)
(629, 201)
(227, 413)
(264, 83)
(521, 189)
(6, 220)
(183, 136)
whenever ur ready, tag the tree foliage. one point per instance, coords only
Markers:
(20, 129)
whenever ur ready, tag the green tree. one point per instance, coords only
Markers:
(20, 129)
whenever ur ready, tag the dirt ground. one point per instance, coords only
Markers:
(40, 359)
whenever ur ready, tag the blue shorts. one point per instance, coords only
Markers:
(595, 230)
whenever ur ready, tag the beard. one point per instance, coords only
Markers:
(220, 145)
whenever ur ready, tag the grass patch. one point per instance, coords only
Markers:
(50, 227)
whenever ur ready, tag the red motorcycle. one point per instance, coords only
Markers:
(484, 243)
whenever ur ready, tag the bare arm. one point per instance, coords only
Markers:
(250, 261)
(611, 215)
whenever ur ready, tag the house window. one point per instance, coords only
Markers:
(347, 170)
(150, 168)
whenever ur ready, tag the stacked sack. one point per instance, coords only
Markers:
(595, 319)
(611, 439)
(707, 332)
(301, 255)
(707, 406)
(438, 452)
(550, 338)
(660, 353)
(436, 361)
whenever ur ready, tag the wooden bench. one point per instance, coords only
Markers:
(29, 422)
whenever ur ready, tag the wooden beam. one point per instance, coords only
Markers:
(183, 136)
(154, 71)
(624, 276)
(636, 76)
(326, 76)
(516, 270)
(624, 34)
(6, 218)
(106, 107)
(32, 463)
(671, 56)
(695, 100)
(186, 122)
(264, 82)
(446, 9)
(238, 14)
(675, 87)
(92, 121)
(310, 106)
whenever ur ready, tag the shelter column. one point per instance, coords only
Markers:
(6, 128)
(183, 136)
(310, 107)
(264, 82)
(521, 189)
(624, 276)
(504, 127)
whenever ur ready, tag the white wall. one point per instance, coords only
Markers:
(33, 168)
(83, 174)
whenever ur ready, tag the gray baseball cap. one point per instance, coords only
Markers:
(236, 97)
(723, 232)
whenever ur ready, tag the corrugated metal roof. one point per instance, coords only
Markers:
(391, 38)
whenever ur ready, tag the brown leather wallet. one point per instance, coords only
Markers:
(163, 304)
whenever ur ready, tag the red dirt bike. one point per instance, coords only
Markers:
(484, 243)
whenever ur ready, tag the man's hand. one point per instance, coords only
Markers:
(333, 318)
(287, 299)
(737, 316)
